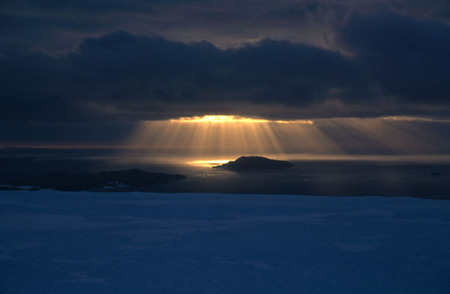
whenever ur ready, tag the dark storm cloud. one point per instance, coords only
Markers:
(66, 64)
(59, 26)
(139, 77)
(398, 65)
(409, 58)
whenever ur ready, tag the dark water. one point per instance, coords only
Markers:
(415, 178)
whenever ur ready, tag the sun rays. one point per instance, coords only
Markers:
(212, 139)
(218, 135)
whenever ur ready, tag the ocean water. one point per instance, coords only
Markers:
(416, 176)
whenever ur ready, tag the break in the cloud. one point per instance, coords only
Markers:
(80, 62)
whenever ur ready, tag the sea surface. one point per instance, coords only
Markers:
(415, 176)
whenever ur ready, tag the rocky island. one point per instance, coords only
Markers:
(249, 163)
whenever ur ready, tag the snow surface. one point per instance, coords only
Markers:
(66, 242)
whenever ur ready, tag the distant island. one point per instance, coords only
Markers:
(249, 163)
(126, 180)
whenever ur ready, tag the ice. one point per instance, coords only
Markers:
(80, 242)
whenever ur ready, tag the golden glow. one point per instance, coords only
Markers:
(218, 119)
(209, 163)
(228, 136)
(297, 121)
(214, 139)
(234, 119)
(414, 118)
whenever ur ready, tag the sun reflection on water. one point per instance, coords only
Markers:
(209, 163)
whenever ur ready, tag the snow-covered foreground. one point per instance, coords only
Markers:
(56, 242)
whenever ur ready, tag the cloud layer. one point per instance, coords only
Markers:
(398, 66)
(126, 61)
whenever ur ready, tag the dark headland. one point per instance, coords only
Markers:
(250, 163)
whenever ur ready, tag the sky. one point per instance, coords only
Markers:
(87, 72)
